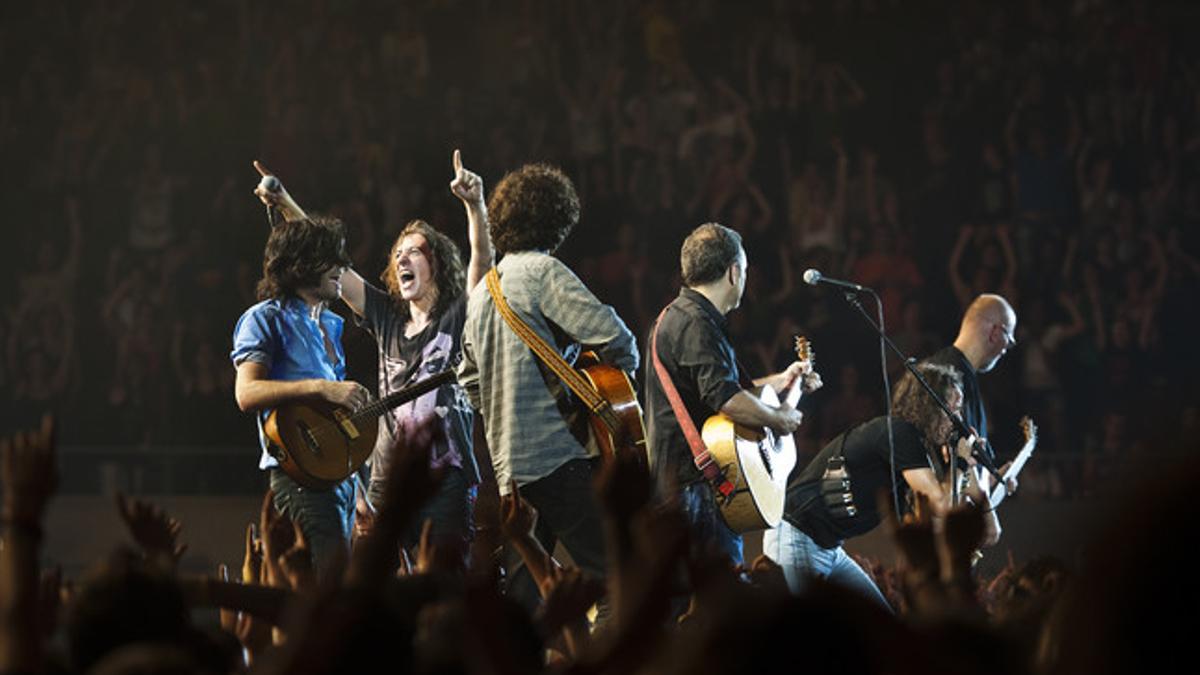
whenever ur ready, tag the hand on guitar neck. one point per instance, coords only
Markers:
(796, 380)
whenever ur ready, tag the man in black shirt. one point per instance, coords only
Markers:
(984, 336)
(693, 346)
(809, 541)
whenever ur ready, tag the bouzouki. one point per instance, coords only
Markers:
(319, 444)
(757, 461)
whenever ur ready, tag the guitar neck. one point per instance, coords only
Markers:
(406, 394)
(1001, 490)
(793, 395)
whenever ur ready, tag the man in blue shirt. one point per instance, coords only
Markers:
(288, 348)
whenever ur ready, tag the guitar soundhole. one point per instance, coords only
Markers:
(309, 439)
(766, 458)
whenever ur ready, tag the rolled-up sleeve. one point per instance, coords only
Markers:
(254, 338)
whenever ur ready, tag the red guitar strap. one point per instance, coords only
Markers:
(700, 454)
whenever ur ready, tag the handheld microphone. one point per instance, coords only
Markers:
(813, 277)
(271, 184)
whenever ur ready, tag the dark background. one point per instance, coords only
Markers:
(1044, 150)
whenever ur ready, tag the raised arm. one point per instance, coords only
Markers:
(280, 198)
(468, 187)
(29, 477)
(961, 290)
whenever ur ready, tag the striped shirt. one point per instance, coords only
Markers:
(526, 432)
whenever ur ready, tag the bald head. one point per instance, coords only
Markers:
(987, 331)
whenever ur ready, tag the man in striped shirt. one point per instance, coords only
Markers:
(535, 438)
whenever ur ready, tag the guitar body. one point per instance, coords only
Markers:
(318, 444)
(628, 432)
(757, 462)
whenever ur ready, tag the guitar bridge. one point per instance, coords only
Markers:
(346, 424)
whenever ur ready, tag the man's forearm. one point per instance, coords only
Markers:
(745, 408)
(261, 394)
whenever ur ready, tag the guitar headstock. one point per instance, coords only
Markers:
(810, 381)
(804, 350)
(1028, 428)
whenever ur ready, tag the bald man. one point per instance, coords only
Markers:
(984, 336)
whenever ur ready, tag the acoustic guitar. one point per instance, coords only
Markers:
(319, 444)
(615, 415)
(757, 461)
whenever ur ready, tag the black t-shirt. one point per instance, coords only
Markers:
(972, 408)
(865, 449)
(404, 360)
(694, 347)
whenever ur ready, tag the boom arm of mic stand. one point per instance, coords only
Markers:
(911, 364)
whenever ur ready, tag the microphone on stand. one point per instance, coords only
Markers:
(814, 277)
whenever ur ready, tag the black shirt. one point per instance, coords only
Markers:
(694, 347)
(972, 407)
(404, 360)
(865, 449)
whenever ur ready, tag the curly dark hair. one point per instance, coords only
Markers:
(707, 253)
(449, 273)
(912, 404)
(532, 209)
(298, 253)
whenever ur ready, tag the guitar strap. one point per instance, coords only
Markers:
(700, 454)
(595, 403)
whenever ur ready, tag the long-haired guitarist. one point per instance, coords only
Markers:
(417, 323)
(523, 404)
(833, 498)
(693, 346)
(288, 348)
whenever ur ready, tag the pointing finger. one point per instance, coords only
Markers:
(262, 170)
(457, 162)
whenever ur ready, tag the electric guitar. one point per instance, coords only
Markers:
(997, 494)
(756, 461)
(319, 444)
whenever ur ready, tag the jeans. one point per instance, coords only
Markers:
(451, 510)
(325, 516)
(802, 559)
(567, 512)
(709, 530)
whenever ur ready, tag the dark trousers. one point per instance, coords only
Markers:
(567, 512)
(325, 516)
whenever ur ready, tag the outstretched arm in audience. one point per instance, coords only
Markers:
(29, 477)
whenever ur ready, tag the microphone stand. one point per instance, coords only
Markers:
(911, 364)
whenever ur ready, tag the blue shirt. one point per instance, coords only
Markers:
(282, 335)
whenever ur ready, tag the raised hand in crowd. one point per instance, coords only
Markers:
(155, 532)
(286, 557)
(567, 594)
(28, 478)
(518, 521)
